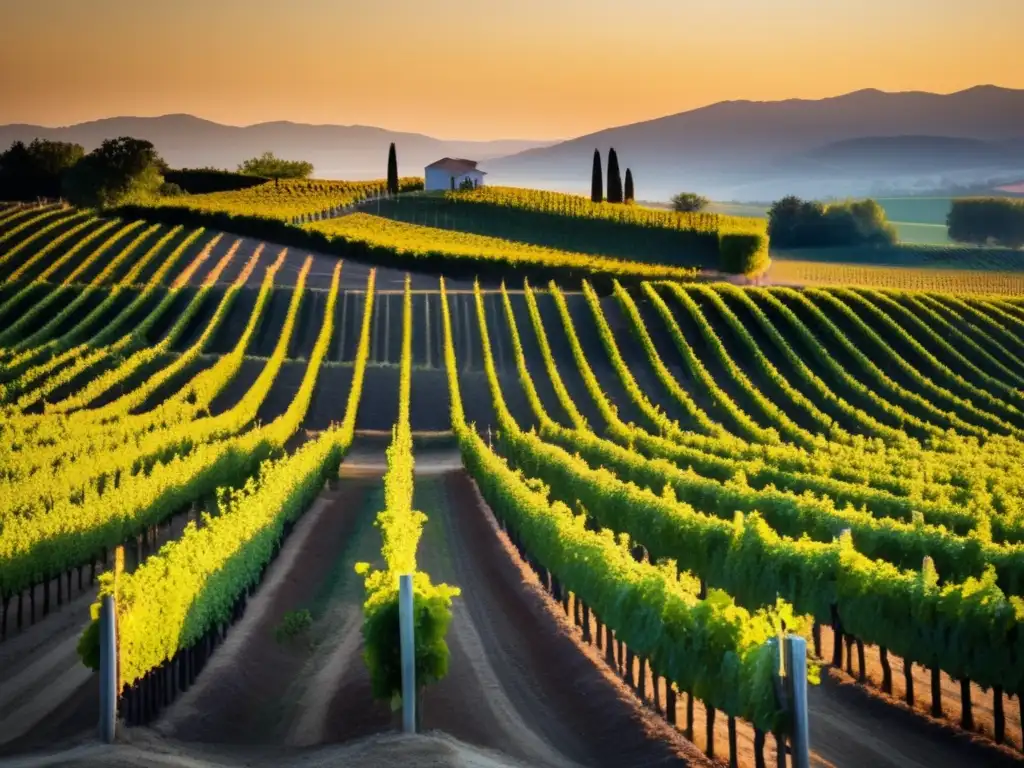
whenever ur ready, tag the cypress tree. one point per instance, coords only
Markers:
(596, 181)
(614, 178)
(392, 171)
(628, 194)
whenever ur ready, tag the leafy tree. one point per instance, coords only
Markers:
(392, 171)
(27, 173)
(597, 180)
(628, 195)
(689, 202)
(984, 220)
(15, 168)
(614, 178)
(119, 171)
(796, 223)
(784, 217)
(272, 167)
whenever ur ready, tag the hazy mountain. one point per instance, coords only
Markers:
(729, 148)
(904, 154)
(336, 151)
(867, 142)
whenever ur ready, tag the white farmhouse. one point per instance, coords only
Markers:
(449, 173)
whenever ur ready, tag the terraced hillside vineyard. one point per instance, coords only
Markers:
(673, 473)
(574, 223)
(289, 199)
(437, 245)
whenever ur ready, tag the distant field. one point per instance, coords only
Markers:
(739, 209)
(952, 268)
(922, 234)
(916, 210)
(916, 256)
(955, 281)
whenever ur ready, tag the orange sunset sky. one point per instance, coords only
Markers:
(483, 69)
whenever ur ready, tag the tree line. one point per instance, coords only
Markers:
(120, 171)
(796, 223)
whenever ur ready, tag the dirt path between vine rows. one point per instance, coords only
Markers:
(520, 681)
(518, 686)
(258, 689)
(392, 750)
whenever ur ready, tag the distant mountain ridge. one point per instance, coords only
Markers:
(732, 146)
(865, 142)
(352, 151)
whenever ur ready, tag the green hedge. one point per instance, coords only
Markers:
(742, 253)
(201, 181)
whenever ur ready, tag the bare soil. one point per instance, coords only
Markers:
(220, 250)
(942, 732)
(601, 364)
(271, 323)
(378, 404)
(348, 320)
(568, 371)
(392, 750)
(282, 391)
(535, 360)
(247, 695)
(520, 681)
(330, 397)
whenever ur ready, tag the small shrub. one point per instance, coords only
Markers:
(689, 202)
(292, 625)
(170, 189)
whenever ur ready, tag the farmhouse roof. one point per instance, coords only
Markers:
(455, 165)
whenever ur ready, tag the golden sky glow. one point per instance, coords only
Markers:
(479, 69)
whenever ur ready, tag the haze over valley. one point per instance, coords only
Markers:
(863, 143)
